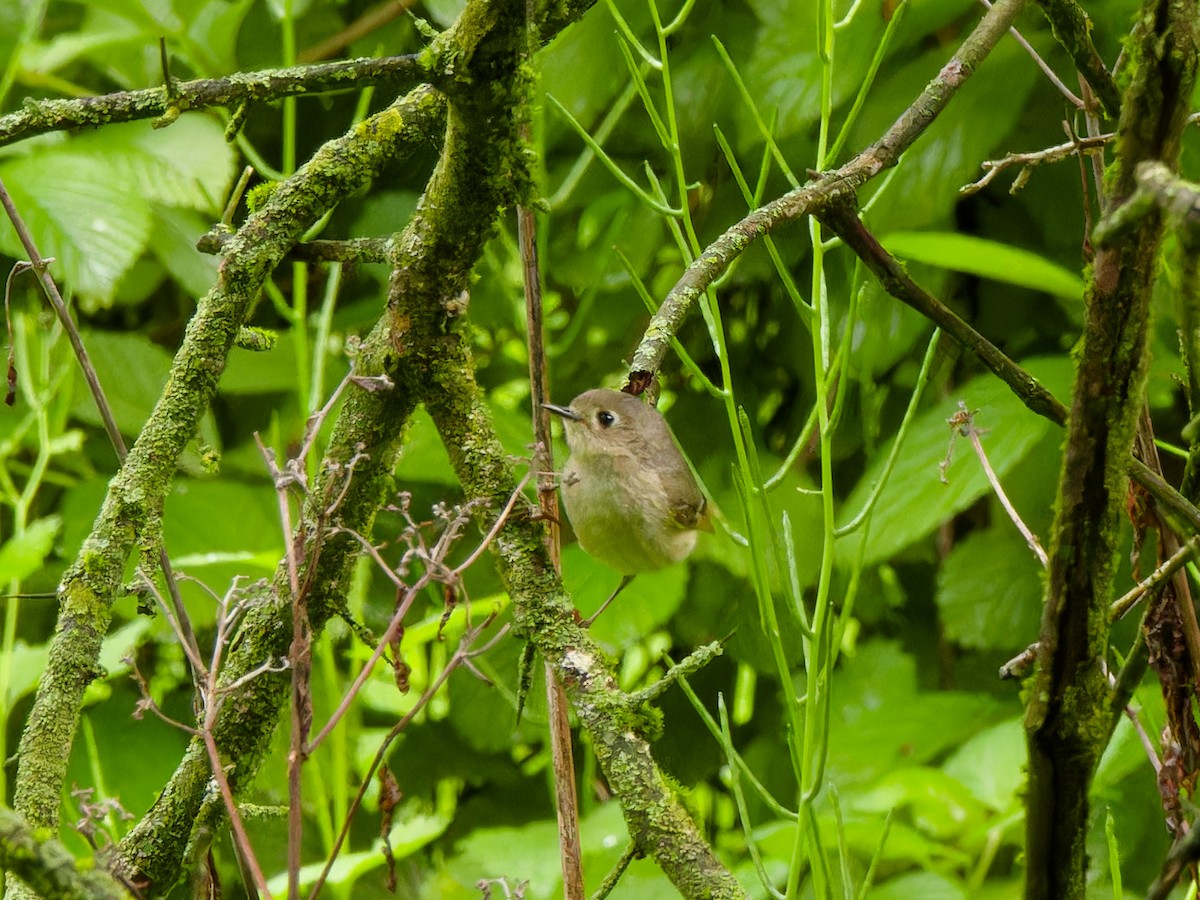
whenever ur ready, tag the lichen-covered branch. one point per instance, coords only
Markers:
(47, 867)
(41, 116)
(419, 349)
(1066, 723)
(128, 520)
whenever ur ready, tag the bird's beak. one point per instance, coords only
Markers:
(565, 411)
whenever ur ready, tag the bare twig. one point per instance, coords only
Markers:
(1031, 159)
(1041, 63)
(41, 266)
(408, 594)
(465, 650)
(567, 803)
(963, 425)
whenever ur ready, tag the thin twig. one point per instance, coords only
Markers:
(463, 652)
(567, 803)
(41, 266)
(1030, 159)
(408, 595)
(1041, 63)
(963, 423)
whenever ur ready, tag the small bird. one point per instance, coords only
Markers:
(627, 489)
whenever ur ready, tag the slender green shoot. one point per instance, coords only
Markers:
(1114, 853)
(631, 38)
(735, 785)
(752, 107)
(610, 164)
(651, 306)
(869, 79)
(746, 772)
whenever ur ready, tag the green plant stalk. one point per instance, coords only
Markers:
(1114, 853)
(732, 760)
(909, 414)
(715, 730)
(630, 38)
(750, 478)
(752, 200)
(610, 164)
(868, 81)
(603, 131)
(763, 130)
(818, 665)
(652, 308)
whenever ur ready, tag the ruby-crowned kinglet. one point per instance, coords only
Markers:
(627, 489)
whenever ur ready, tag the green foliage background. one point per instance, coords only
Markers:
(925, 749)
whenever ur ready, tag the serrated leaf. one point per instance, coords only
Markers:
(92, 226)
(990, 590)
(189, 164)
(987, 259)
(915, 500)
(22, 554)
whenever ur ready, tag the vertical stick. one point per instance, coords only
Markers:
(543, 464)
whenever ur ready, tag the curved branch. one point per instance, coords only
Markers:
(814, 197)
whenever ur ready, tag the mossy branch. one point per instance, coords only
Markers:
(47, 867)
(416, 344)
(1072, 28)
(41, 116)
(1066, 722)
(129, 518)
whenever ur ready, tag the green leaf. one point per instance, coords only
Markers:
(647, 604)
(990, 590)
(22, 554)
(987, 259)
(174, 244)
(87, 201)
(132, 371)
(926, 885)
(189, 164)
(948, 154)
(94, 227)
(991, 765)
(939, 805)
(915, 500)
(28, 666)
(919, 727)
(223, 525)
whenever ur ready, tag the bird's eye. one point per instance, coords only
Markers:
(605, 418)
